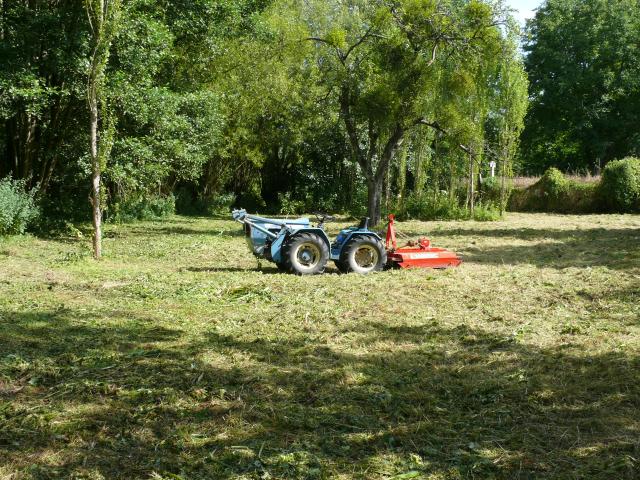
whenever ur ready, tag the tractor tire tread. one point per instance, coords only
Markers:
(298, 238)
(344, 264)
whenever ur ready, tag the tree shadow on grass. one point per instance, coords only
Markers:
(128, 399)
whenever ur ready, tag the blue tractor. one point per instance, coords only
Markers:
(298, 247)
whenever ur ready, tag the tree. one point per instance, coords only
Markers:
(42, 84)
(104, 16)
(510, 107)
(583, 62)
(382, 59)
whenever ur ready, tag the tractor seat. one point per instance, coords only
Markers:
(364, 223)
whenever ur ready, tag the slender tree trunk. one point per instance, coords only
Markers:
(502, 185)
(103, 19)
(418, 180)
(471, 185)
(95, 177)
(402, 179)
(387, 187)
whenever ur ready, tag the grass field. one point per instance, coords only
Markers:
(176, 358)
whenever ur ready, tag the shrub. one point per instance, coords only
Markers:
(620, 186)
(141, 208)
(434, 206)
(583, 198)
(491, 192)
(18, 208)
(187, 203)
(486, 213)
(555, 193)
(358, 205)
(289, 206)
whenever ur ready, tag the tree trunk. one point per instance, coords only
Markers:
(95, 178)
(374, 195)
(471, 185)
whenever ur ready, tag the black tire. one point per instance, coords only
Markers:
(281, 267)
(363, 254)
(341, 266)
(305, 254)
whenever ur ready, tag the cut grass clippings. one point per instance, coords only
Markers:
(176, 358)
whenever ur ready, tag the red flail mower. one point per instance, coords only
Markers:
(417, 254)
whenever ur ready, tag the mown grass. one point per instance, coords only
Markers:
(176, 358)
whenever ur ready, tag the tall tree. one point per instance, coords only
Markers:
(104, 16)
(583, 61)
(382, 58)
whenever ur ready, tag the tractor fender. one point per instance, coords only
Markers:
(276, 246)
(363, 234)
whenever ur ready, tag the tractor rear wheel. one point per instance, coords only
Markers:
(363, 254)
(305, 254)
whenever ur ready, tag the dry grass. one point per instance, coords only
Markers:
(174, 357)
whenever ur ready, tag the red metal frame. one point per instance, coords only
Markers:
(418, 254)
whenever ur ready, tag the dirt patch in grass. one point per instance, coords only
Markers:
(176, 357)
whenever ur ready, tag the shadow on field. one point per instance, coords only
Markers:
(612, 248)
(124, 400)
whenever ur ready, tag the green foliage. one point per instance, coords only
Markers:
(494, 193)
(178, 77)
(555, 193)
(18, 209)
(486, 213)
(220, 204)
(620, 186)
(434, 206)
(442, 205)
(583, 61)
(288, 206)
(143, 207)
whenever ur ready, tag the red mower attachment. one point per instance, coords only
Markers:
(418, 254)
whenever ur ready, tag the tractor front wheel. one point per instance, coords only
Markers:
(305, 254)
(363, 254)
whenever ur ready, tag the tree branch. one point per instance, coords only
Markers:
(394, 142)
(436, 126)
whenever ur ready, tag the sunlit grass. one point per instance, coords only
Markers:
(175, 357)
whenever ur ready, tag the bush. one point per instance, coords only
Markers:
(141, 208)
(441, 206)
(289, 206)
(18, 208)
(188, 204)
(434, 206)
(620, 186)
(491, 192)
(486, 213)
(555, 193)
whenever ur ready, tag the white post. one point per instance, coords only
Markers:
(492, 164)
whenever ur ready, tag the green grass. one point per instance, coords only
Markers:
(175, 358)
